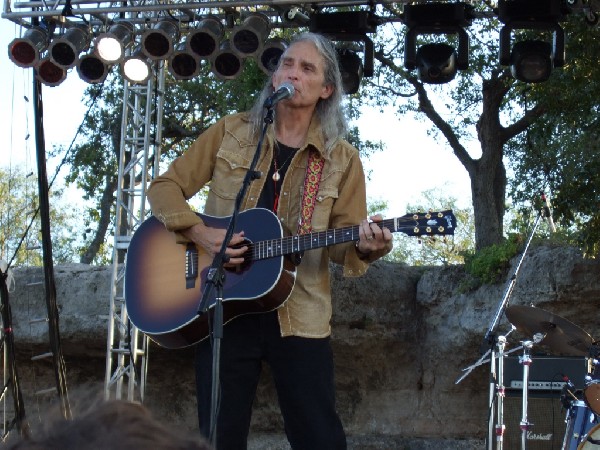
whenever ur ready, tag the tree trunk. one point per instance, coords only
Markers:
(488, 187)
(108, 199)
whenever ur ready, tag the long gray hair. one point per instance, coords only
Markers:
(329, 110)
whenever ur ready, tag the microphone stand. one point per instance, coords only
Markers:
(491, 341)
(215, 279)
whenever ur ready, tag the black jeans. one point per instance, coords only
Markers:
(303, 373)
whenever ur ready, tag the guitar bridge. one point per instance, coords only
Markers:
(191, 266)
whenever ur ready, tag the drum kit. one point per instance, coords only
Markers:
(565, 338)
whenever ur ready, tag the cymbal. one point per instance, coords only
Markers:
(561, 335)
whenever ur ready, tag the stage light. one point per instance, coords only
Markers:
(226, 64)
(248, 38)
(270, 54)
(344, 22)
(349, 26)
(135, 67)
(437, 62)
(25, 51)
(293, 16)
(183, 65)
(204, 40)
(64, 50)
(92, 69)
(112, 44)
(531, 61)
(50, 73)
(351, 68)
(158, 42)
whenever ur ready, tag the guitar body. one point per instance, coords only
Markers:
(163, 304)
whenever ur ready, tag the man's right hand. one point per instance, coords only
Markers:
(211, 240)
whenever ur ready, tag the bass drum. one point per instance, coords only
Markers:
(580, 421)
(591, 441)
(591, 395)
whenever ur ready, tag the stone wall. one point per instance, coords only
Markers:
(401, 337)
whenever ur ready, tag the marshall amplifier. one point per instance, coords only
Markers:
(545, 410)
(546, 416)
(546, 374)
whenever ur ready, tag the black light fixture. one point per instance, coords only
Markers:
(25, 51)
(268, 59)
(351, 67)
(135, 67)
(50, 73)
(92, 69)
(159, 41)
(64, 50)
(111, 45)
(293, 15)
(437, 63)
(248, 38)
(183, 65)
(226, 63)
(204, 39)
(349, 26)
(531, 60)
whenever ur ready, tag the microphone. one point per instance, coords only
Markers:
(547, 213)
(286, 90)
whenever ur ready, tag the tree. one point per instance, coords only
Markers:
(20, 223)
(482, 103)
(560, 155)
(94, 161)
(434, 250)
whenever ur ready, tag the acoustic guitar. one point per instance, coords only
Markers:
(164, 280)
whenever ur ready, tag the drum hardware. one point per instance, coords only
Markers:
(564, 337)
(525, 361)
(493, 342)
(591, 392)
(581, 422)
(559, 334)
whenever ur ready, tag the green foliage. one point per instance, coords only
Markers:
(435, 250)
(490, 264)
(561, 154)
(20, 235)
(189, 108)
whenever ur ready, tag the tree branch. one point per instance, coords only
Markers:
(427, 108)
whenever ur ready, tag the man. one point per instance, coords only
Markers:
(308, 130)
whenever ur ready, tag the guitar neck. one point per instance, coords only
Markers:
(411, 225)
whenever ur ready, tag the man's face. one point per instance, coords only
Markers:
(303, 66)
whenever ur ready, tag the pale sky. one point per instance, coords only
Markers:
(411, 163)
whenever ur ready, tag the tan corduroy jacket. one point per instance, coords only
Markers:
(221, 156)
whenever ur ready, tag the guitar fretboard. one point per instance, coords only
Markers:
(411, 225)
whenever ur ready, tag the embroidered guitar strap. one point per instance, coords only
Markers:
(312, 179)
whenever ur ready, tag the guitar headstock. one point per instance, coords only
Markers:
(428, 224)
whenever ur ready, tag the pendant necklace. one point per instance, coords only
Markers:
(276, 176)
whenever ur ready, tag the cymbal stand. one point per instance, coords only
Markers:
(525, 360)
(497, 390)
(491, 340)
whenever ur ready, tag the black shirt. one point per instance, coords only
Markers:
(282, 157)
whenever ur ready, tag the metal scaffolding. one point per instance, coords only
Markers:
(141, 125)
